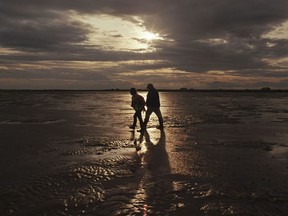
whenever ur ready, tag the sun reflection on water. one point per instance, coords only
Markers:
(154, 163)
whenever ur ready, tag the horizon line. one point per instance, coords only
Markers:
(143, 89)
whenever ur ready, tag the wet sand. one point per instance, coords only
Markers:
(65, 154)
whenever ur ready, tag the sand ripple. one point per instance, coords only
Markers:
(78, 190)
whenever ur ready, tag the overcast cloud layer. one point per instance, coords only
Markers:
(204, 44)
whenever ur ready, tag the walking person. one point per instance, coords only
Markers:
(153, 105)
(138, 103)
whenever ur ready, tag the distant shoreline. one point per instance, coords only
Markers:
(160, 90)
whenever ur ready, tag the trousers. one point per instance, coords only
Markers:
(138, 115)
(158, 113)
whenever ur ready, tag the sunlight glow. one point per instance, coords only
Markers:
(115, 33)
(150, 36)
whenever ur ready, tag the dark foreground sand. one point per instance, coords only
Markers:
(220, 155)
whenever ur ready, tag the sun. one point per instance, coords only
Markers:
(149, 36)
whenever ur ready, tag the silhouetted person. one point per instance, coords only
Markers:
(153, 105)
(138, 103)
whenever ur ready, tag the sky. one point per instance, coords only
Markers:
(109, 44)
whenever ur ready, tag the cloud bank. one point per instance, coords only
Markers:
(101, 44)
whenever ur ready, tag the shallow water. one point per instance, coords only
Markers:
(72, 153)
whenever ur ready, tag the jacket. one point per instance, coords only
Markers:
(153, 98)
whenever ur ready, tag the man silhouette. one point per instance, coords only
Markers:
(153, 105)
(138, 103)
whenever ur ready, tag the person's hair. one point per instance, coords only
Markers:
(150, 85)
(133, 91)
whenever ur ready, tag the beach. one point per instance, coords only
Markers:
(72, 153)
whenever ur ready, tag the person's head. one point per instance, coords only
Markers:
(150, 86)
(133, 91)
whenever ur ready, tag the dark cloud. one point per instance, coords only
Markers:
(55, 73)
(43, 33)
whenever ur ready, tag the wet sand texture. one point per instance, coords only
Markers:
(72, 153)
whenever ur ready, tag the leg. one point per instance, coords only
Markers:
(139, 116)
(147, 116)
(134, 121)
(160, 118)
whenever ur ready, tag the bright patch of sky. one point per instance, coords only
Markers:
(215, 41)
(7, 51)
(216, 72)
(279, 32)
(114, 33)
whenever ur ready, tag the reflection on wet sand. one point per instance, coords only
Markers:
(153, 167)
(152, 154)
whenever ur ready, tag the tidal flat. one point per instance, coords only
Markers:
(72, 153)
